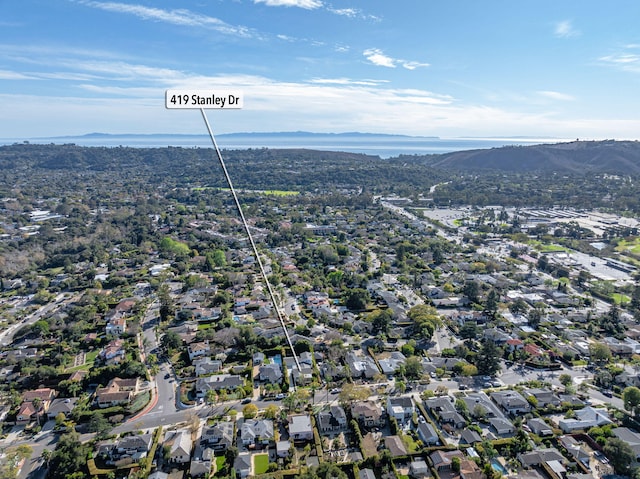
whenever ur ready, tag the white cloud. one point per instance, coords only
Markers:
(626, 60)
(555, 95)
(414, 65)
(377, 57)
(346, 81)
(181, 17)
(10, 75)
(306, 4)
(565, 29)
(346, 12)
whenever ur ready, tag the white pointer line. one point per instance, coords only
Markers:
(253, 245)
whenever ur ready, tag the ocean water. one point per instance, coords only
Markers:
(384, 146)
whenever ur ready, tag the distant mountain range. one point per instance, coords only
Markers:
(577, 157)
(508, 155)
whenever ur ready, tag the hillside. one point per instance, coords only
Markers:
(578, 157)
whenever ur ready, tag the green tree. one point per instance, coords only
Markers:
(171, 341)
(356, 299)
(488, 358)
(471, 290)
(599, 353)
(381, 321)
(491, 303)
(69, 457)
(620, 454)
(413, 368)
(250, 411)
(631, 398)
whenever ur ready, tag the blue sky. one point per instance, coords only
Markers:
(450, 68)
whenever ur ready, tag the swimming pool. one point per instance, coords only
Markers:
(495, 464)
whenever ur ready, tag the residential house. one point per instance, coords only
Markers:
(117, 392)
(585, 418)
(366, 474)
(443, 408)
(300, 428)
(198, 349)
(427, 433)
(361, 366)
(631, 437)
(540, 427)
(270, 373)
(470, 470)
(391, 364)
(395, 446)
(203, 457)
(258, 358)
(540, 456)
(511, 402)
(332, 421)
(480, 404)
(116, 326)
(469, 436)
(180, 445)
(28, 412)
(576, 449)
(206, 366)
(217, 382)
(218, 436)
(256, 432)
(45, 395)
(367, 413)
(401, 408)
(136, 447)
(242, 464)
(419, 469)
(61, 405)
(283, 449)
(544, 397)
(442, 459)
(302, 376)
(502, 426)
(113, 352)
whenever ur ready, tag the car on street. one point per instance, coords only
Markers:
(245, 401)
(280, 396)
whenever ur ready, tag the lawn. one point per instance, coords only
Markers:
(219, 463)
(260, 463)
(631, 246)
(619, 298)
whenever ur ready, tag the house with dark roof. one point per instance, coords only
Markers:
(539, 426)
(367, 413)
(469, 436)
(242, 464)
(395, 446)
(332, 421)
(444, 410)
(511, 402)
(270, 373)
(540, 456)
(218, 436)
(544, 397)
(61, 405)
(427, 433)
(217, 382)
(442, 459)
